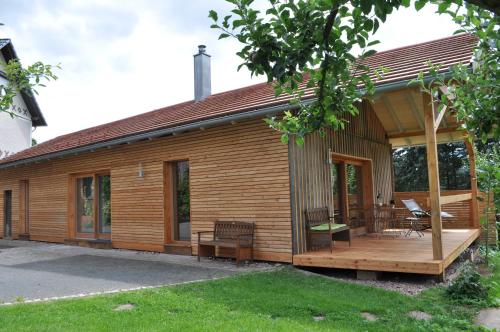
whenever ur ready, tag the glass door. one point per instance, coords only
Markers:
(182, 210)
(352, 191)
(93, 207)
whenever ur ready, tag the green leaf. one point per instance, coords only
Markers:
(366, 6)
(369, 53)
(213, 15)
(223, 35)
(419, 4)
(299, 140)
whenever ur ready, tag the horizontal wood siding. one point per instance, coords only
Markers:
(237, 172)
(363, 137)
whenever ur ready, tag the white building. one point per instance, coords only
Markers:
(15, 133)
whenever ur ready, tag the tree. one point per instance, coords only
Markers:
(410, 167)
(27, 79)
(310, 44)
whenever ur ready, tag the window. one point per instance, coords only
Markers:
(181, 201)
(93, 206)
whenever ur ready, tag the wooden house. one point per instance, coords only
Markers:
(151, 181)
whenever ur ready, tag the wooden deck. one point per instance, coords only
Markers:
(410, 255)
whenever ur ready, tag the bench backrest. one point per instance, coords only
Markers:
(230, 230)
(317, 216)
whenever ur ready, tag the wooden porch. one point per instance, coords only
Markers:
(402, 254)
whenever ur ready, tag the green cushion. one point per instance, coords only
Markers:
(324, 227)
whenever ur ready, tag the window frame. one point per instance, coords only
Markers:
(73, 197)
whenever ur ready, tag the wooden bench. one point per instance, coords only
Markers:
(237, 235)
(319, 222)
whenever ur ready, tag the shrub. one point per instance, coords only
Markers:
(467, 288)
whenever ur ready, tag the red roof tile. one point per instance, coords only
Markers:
(404, 63)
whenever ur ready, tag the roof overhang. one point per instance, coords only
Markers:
(37, 119)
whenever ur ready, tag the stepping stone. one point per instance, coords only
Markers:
(318, 318)
(124, 307)
(419, 315)
(368, 316)
(489, 318)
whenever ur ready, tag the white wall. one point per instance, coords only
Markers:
(15, 133)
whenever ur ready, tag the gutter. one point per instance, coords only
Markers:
(263, 112)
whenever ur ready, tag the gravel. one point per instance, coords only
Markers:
(404, 283)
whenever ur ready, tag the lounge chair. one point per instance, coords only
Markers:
(421, 219)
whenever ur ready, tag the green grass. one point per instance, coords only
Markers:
(284, 300)
(495, 279)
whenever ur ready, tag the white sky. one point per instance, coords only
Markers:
(123, 57)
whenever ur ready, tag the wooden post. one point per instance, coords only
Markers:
(473, 184)
(433, 171)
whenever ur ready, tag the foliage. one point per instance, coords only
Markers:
(309, 44)
(27, 79)
(410, 167)
(467, 288)
(284, 300)
(488, 178)
(473, 95)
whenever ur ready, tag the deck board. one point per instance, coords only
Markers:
(411, 255)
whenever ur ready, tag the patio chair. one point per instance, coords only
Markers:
(385, 220)
(320, 223)
(420, 219)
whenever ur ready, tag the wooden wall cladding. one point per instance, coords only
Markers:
(364, 137)
(237, 172)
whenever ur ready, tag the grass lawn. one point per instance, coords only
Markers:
(495, 279)
(284, 300)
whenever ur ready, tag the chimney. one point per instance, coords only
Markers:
(202, 84)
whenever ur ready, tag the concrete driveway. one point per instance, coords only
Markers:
(35, 270)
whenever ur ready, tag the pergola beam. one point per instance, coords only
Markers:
(422, 132)
(433, 171)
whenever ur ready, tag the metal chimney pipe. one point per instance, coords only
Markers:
(202, 76)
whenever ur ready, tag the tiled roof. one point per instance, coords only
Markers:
(404, 62)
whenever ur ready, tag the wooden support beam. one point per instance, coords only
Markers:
(439, 117)
(415, 110)
(422, 132)
(392, 113)
(473, 184)
(433, 171)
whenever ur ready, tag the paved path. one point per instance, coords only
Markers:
(489, 318)
(34, 270)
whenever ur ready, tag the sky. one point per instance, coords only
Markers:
(125, 57)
